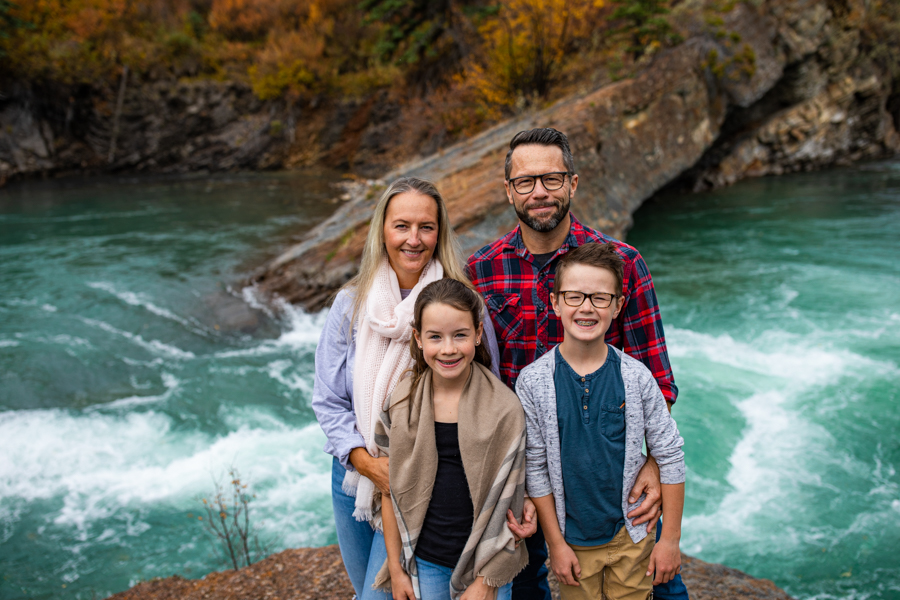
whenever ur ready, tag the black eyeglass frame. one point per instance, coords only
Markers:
(513, 180)
(591, 296)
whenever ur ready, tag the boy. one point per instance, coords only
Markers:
(589, 408)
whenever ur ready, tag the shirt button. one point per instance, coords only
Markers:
(585, 408)
(585, 390)
(541, 344)
(582, 378)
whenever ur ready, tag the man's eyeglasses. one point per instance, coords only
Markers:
(550, 181)
(599, 300)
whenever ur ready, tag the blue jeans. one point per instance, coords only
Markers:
(531, 582)
(674, 589)
(362, 548)
(434, 582)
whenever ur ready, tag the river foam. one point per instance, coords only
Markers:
(97, 465)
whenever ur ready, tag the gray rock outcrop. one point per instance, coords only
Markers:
(804, 99)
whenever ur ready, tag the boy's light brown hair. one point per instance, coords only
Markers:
(602, 256)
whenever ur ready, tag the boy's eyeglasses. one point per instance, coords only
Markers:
(599, 300)
(550, 181)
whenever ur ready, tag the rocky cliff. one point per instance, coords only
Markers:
(318, 573)
(158, 126)
(190, 125)
(796, 94)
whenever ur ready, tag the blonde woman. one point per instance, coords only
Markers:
(364, 350)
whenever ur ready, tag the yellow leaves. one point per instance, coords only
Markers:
(525, 47)
(242, 19)
(254, 19)
(282, 65)
(514, 55)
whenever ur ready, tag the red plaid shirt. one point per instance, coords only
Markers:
(518, 298)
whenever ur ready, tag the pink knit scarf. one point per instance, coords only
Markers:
(382, 356)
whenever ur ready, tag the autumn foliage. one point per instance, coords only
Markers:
(459, 63)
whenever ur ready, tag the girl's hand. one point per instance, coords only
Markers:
(479, 591)
(665, 561)
(565, 564)
(528, 527)
(401, 585)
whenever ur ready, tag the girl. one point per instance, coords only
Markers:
(364, 349)
(456, 439)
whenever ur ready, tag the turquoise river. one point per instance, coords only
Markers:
(123, 400)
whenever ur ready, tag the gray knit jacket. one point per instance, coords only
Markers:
(645, 416)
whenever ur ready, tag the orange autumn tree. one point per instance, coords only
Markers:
(307, 46)
(245, 20)
(79, 40)
(525, 48)
(88, 41)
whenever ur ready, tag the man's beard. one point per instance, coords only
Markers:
(550, 223)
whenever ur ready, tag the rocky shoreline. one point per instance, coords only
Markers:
(318, 574)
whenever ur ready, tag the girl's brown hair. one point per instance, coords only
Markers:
(455, 294)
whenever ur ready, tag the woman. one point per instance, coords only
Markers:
(363, 351)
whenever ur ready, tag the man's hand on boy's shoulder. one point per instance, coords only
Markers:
(647, 482)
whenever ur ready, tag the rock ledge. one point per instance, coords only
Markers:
(318, 573)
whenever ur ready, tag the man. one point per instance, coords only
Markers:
(515, 274)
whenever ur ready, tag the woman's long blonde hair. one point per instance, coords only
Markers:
(447, 250)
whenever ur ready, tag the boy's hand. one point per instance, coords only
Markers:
(528, 526)
(665, 561)
(565, 564)
(647, 482)
(401, 585)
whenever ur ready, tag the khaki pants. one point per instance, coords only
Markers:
(614, 571)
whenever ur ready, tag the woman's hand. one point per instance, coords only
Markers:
(401, 585)
(565, 564)
(478, 591)
(528, 526)
(665, 561)
(375, 469)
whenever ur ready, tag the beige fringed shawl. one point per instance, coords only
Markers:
(492, 445)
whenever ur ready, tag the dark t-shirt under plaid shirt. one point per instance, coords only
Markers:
(518, 297)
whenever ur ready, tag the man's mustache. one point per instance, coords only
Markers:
(543, 205)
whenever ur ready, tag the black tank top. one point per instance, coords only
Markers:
(450, 515)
